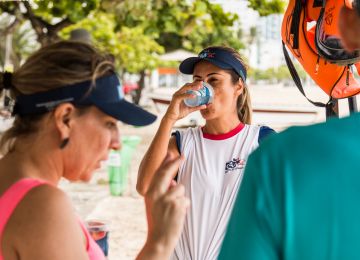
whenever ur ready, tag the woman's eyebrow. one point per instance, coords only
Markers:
(214, 73)
(208, 75)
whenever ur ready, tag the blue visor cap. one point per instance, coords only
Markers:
(106, 94)
(220, 58)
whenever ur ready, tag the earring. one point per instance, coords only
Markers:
(64, 143)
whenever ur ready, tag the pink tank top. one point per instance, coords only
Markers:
(12, 197)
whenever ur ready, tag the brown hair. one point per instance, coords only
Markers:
(243, 105)
(56, 65)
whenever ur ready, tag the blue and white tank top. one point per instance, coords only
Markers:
(211, 173)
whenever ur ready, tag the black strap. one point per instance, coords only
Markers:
(178, 144)
(317, 3)
(296, 77)
(332, 109)
(295, 23)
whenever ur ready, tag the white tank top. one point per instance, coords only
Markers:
(211, 173)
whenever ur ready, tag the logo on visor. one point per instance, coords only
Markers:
(120, 91)
(207, 54)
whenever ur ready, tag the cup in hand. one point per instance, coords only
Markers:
(202, 96)
(99, 231)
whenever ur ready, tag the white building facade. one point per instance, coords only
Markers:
(265, 50)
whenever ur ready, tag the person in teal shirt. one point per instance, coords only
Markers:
(298, 199)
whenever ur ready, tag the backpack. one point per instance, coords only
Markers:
(318, 47)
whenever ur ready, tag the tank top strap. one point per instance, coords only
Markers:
(12, 197)
(93, 250)
(86, 233)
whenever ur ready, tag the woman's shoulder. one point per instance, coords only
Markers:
(186, 133)
(262, 131)
(42, 200)
(193, 129)
(266, 129)
(46, 193)
(44, 213)
(31, 193)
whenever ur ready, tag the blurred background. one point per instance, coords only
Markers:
(148, 39)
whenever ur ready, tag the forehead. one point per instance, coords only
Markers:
(94, 112)
(205, 67)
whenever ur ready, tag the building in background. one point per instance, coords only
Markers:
(171, 77)
(268, 43)
(261, 35)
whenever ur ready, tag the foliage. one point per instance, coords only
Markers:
(144, 27)
(134, 51)
(73, 10)
(135, 46)
(267, 7)
(176, 24)
(136, 32)
(48, 17)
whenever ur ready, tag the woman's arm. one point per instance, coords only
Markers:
(159, 147)
(162, 143)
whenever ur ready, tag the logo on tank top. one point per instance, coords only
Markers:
(234, 164)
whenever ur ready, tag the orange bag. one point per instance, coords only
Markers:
(318, 48)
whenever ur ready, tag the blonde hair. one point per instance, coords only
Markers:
(244, 109)
(56, 65)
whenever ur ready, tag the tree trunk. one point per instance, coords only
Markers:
(141, 84)
(47, 33)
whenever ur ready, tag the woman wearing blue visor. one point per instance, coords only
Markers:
(67, 104)
(215, 154)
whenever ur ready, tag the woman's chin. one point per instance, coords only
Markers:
(206, 114)
(86, 177)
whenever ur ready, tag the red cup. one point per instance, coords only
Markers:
(99, 230)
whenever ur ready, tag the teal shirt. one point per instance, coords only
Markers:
(299, 196)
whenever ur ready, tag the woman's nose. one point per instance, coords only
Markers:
(115, 143)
